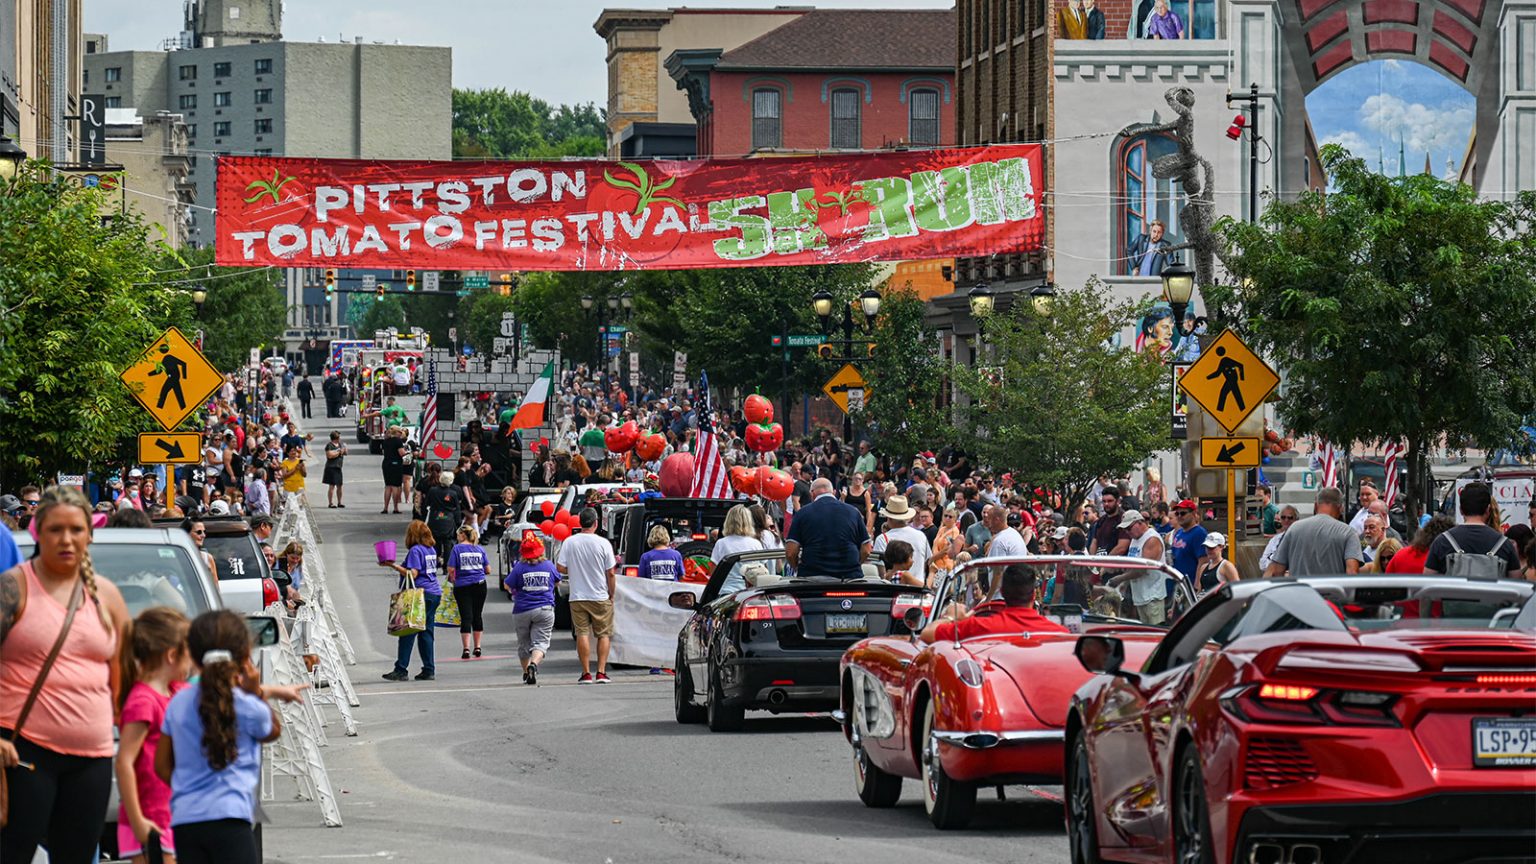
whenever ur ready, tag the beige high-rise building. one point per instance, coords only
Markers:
(40, 63)
(156, 159)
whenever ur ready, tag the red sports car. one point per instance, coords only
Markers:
(961, 714)
(1314, 721)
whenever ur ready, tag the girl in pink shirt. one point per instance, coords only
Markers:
(154, 668)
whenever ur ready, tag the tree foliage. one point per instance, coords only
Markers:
(496, 124)
(1400, 308)
(1053, 402)
(381, 314)
(244, 308)
(79, 300)
(905, 378)
(550, 304)
(480, 318)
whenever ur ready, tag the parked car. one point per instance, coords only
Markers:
(962, 715)
(241, 567)
(1344, 719)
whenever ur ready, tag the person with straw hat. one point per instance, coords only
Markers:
(899, 514)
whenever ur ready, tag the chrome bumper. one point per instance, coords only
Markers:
(985, 740)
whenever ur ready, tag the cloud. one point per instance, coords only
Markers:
(1422, 128)
(1351, 140)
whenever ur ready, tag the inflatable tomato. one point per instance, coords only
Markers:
(615, 439)
(631, 432)
(650, 447)
(764, 437)
(676, 475)
(776, 485)
(775, 439)
(744, 480)
(757, 409)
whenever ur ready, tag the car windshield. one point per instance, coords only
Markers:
(148, 575)
(531, 511)
(235, 555)
(1073, 591)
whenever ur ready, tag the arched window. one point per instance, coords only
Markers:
(846, 134)
(1141, 198)
(923, 117)
(766, 118)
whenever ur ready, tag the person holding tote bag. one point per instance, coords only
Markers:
(420, 569)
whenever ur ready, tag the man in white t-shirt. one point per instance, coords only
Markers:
(1006, 541)
(587, 561)
(899, 514)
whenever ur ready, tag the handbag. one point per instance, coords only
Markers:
(37, 687)
(407, 611)
(447, 611)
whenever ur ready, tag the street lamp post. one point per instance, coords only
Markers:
(11, 157)
(869, 304)
(1178, 288)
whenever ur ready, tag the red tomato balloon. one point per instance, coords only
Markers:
(777, 486)
(631, 432)
(650, 447)
(744, 480)
(757, 409)
(562, 515)
(613, 439)
(548, 527)
(774, 437)
(562, 532)
(547, 508)
(676, 475)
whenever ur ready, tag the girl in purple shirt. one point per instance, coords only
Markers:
(661, 561)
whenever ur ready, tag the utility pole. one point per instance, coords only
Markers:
(1253, 146)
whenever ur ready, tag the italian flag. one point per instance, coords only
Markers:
(530, 413)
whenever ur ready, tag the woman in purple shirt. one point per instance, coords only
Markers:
(1164, 23)
(532, 583)
(420, 566)
(467, 564)
(660, 561)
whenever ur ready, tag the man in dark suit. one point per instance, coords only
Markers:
(1146, 254)
(1095, 19)
(827, 537)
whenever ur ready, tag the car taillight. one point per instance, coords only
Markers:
(631, 570)
(903, 602)
(969, 672)
(701, 536)
(1298, 704)
(774, 607)
(269, 593)
(1506, 679)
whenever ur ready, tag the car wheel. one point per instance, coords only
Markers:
(877, 788)
(949, 803)
(682, 695)
(1082, 826)
(1191, 817)
(719, 716)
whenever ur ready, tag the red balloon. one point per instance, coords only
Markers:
(677, 475)
(573, 520)
(547, 527)
(744, 480)
(773, 437)
(650, 447)
(562, 515)
(613, 439)
(757, 409)
(631, 432)
(562, 532)
(547, 508)
(777, 486)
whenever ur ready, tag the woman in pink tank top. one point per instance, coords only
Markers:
(60, 767)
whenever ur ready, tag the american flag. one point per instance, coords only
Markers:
(429, 413)
(1330, 465)
(1394, 450)
(710, 479)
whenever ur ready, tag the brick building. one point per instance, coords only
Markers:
(831, 79)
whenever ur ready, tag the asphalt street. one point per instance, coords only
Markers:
(477, 766)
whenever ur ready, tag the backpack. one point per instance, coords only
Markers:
(1469, 565)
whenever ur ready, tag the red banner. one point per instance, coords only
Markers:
(603, 215)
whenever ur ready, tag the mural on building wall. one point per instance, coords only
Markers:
(1174, 342)
(1079, 19)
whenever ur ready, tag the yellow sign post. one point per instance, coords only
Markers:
(846, 389)
(1230, 382)
(171, 379)
(170, 448)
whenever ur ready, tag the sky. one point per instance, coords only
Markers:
(548, 48)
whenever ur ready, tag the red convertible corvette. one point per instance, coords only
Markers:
(990, 710)
(1314, 721)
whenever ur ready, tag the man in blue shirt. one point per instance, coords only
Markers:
(1188, 540)
(827, 537)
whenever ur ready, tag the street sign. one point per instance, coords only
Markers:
(634, 362)
(477, 280)
(508, 325)
(453, 334)
(429, 280)
(617, 328)
(1229, 452)
(1229, 380)
(634, 378)
(804, 340)
(679, 369)
(171, 379)
(170, 448)
(501, 345)
(370, 281)
(846, 389)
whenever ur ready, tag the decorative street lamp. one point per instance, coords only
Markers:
(627, 300)
(11, 157)
(869, 302)
(1042, 298)
(586, 302)
(822, 303)
(981, 300)
(1178, 287)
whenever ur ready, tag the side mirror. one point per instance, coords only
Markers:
(913, 618)
(682, 600)
(264, 632)
(1103, 655)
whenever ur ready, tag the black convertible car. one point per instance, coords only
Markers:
(774, 643)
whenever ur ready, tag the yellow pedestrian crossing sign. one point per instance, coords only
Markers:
(171, 379)
(1229, 381)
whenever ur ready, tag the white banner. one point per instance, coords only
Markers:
(645, 628)
(1512, 493)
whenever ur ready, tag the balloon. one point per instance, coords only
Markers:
(757, 409)
(547, 527)
(547, 508)
(573, 520)
(650, 447)
(676, 476)
(613, 439)
(764, 437)
(561, 516)
(744, 480)
(777, 486)
(631, 433)
(562, 532)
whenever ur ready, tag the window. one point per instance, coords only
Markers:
(263, 125)
(191, 130)
(234, 13)
(114, 73)
(220, 128)
(188, 100)
(845, 120)
(263, 97)
(1143, 197)
(187, 73)
(114, 102)
(221, 100)
(765, 118)
(85, 75)
(221, 70)
(1197, 18)
(924, 122)
(264, 66)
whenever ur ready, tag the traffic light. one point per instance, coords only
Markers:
(778, 341)
(505, 286)
(410, 280)
(330, 293)
(330, 279)
(824, 351)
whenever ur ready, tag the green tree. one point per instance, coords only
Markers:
(480, 318)
(550, 304)
(79, 301)
(905, 377)
(382, 314)
(495, 124)
(1402, 309)
(1052, 402)
(243, 309)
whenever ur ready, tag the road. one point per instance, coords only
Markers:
(477, 766)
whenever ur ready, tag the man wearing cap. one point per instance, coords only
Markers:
(1188, 540)
(261, 528)
(899, 514)
(1148, 587)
